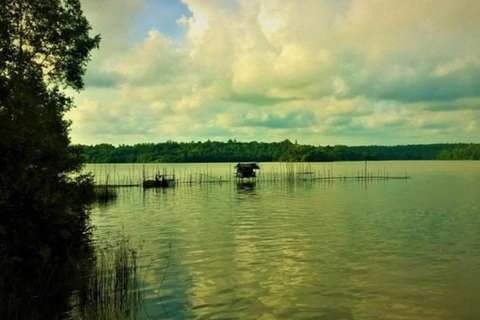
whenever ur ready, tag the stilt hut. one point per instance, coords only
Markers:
(246, 170)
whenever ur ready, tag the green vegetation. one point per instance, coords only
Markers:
(460, 152)
(106, 285)
(43, 45)
(112, 289)
(44, 202)
(232, 151)
(104, 194)
(44, 293)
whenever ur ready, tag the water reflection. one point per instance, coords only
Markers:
(332, 250)
(246, 187)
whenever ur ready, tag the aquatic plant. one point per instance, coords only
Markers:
(104, 194)
(112, 288)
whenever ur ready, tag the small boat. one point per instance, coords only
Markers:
(160, 181)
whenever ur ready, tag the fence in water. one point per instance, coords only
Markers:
(281, 172)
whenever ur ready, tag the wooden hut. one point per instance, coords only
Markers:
(246, 170)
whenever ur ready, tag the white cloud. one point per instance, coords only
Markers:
(345, 71)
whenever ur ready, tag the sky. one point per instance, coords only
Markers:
(351, 72)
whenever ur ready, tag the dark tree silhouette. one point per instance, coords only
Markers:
(44, 48)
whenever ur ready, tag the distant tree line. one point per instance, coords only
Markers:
(233, 151)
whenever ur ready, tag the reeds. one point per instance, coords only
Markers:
(286, 172)
(105, 193)
(112, 289)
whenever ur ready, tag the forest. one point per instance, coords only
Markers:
(233, 151)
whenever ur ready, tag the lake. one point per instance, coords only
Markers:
(388, 249)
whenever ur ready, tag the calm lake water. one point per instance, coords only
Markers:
(397, 249)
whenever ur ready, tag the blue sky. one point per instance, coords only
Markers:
(317, 71)
(161, 15)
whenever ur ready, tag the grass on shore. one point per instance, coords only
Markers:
(113, 287)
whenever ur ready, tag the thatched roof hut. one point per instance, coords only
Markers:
(246, 170)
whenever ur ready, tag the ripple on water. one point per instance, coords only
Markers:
(345, 250)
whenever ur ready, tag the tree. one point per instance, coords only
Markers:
(44, 48)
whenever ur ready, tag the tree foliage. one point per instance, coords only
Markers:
(44, 48)
(461, 152)
(232, 151)
(48, 38)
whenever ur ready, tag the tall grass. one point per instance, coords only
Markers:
(113, 287)
(101, 287)
(104, 194)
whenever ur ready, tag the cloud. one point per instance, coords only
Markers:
(153, 61)
(349, 71)
(103, 78)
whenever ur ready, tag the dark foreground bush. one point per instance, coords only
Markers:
(103, 285)
(44, 237)
(44, 47)
(42, 291)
